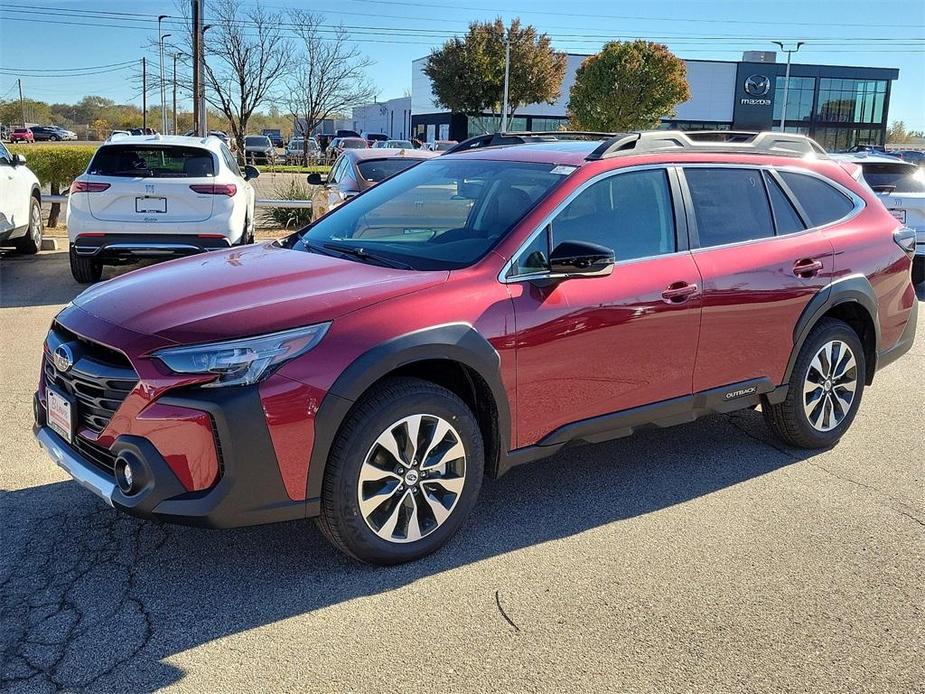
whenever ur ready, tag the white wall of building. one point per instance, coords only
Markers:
(712, 91)
(392, 117)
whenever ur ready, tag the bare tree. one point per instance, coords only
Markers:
(328, 74)
(247, 56)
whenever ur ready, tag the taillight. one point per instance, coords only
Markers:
(86, 187)
(228, 189)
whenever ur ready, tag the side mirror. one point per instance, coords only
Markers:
(251, 172)
(581, 259)
(314, 179)
(19, 160)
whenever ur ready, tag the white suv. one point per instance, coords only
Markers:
(20, 204)
(150, 196)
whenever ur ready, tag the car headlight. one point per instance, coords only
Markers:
(245, 361)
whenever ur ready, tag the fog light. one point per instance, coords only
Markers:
(125, 478)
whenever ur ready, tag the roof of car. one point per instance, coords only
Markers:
(384, 153)
(211, 142)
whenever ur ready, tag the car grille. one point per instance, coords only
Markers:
(99, 380)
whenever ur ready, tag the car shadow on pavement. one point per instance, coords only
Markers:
(92, 598)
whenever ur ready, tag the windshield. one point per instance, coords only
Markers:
(352, 143)
(147, 160)
(902, 178)
(256, 141)
(380, 169)
(399, 144)
(439, 215)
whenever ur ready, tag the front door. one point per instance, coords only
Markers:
(592, 346)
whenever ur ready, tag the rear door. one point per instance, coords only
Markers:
(151, 183)
(759, 270)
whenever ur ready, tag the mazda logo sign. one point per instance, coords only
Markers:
(63, 358)
(757, 85)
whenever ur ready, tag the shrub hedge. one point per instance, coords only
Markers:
(55, 165)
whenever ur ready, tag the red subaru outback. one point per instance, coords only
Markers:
(477, 312)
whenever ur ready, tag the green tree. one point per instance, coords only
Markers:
(467, 74)
(629, 85)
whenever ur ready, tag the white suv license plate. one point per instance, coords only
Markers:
(147, 205)
(60, 414)
(899, 214)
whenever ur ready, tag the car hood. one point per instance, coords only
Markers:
(245, 291)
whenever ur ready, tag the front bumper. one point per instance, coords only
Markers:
(249, 491)
(129, 247)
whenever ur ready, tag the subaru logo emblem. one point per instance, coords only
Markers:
(63, 358)
(757, 85)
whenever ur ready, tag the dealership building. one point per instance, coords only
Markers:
(839, 106)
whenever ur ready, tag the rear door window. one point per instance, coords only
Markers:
(730, 205)
(822, 202)
(138, 161)
(380, 169)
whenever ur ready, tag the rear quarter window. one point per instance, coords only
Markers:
(822, 202)
(151, 161)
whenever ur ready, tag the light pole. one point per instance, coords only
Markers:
(790, 52)
(175, 56)
(163, 89)
(197, 62)
(160, 57)
(507, 72)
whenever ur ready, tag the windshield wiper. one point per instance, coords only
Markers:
(363, 254)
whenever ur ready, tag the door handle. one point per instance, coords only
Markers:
(679, 292)
(807, 267)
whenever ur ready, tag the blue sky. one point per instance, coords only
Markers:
(883, 33)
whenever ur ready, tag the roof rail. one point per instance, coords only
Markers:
(503, 139)
(734, 141)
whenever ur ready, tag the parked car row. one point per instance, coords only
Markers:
(41, 133)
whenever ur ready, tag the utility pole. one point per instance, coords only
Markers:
(175, 55)
(22, 104)
(144, 94)
(203, 107)
(783, 113)
(507, 72)
(197, 64)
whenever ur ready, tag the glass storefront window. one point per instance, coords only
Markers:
(480, 125)
(799, 98)
(547, 124)
(851, 101)
(841, 139)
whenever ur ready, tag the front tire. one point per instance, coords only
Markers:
(85, 270)
(825, 388)
(403, 474)
(31, 243)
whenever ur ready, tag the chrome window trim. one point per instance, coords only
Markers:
(858, 205)
(541, 227)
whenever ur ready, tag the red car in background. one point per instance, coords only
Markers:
(475, 312)
(22, 135)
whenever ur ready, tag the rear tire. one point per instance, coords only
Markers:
(384, 509)
(825, 388)
(31, 243)
(85, 270)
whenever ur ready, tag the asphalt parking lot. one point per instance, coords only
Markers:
(704, 558)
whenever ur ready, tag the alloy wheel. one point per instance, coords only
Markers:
(35, 226)
(412, 478)
(830, 385)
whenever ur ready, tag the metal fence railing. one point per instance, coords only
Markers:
(260, 202)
